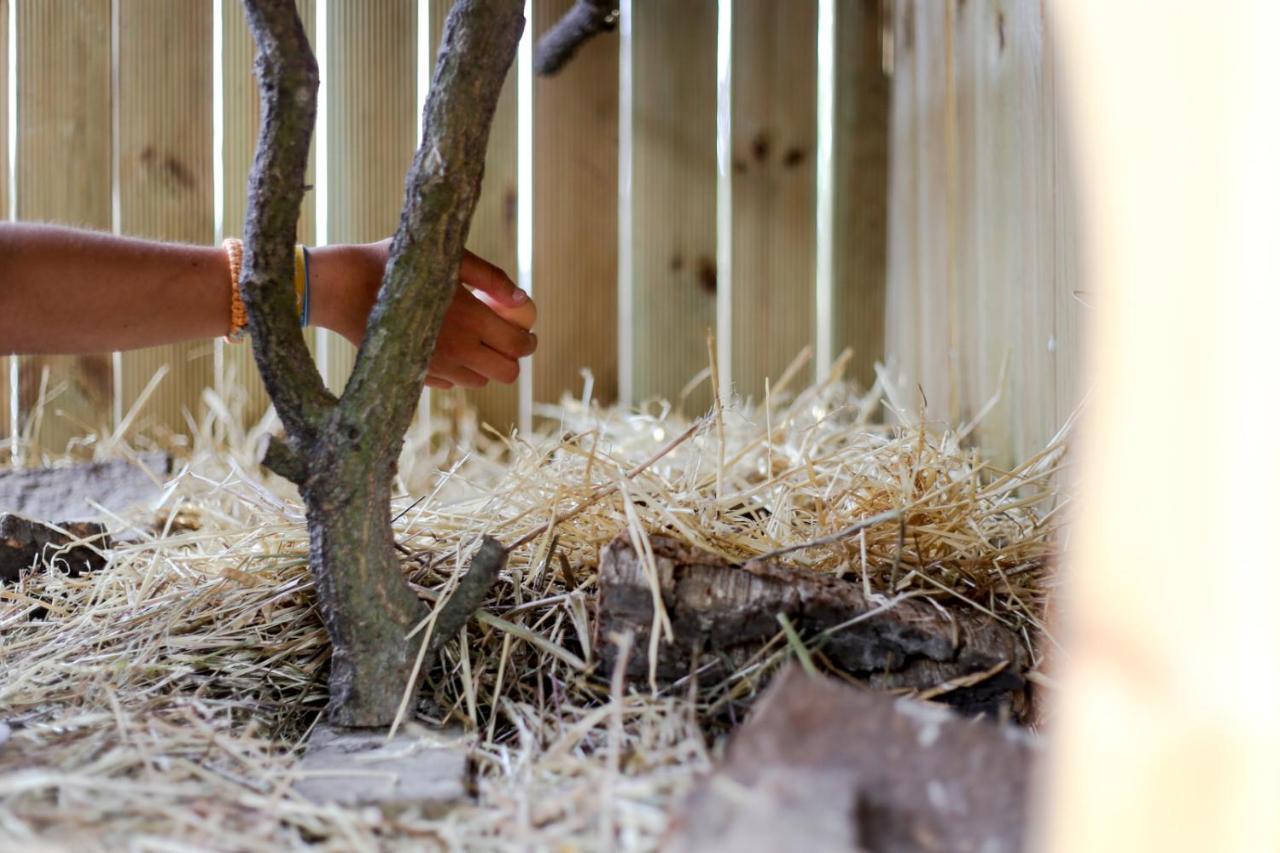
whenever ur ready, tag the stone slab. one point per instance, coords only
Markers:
(423, 769)
(64, 493)
(822, 765)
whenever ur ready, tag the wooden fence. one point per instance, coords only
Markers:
(884, 175)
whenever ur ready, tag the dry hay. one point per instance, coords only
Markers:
(159, 704)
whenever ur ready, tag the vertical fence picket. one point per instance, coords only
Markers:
(575, 218)
(773, 145)
(673, 197)
(64, 175)
(239, 137)
(981, 239)
(493, 228)
(859, 186)
(372, 119)
(5, 396)
(165, 174)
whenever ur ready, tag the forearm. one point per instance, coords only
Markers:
(64, 290)
(68, 291)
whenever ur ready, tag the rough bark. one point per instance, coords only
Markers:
(822, 766)
(723, 613)
(584, 21)
(342, 452)
(76, 546)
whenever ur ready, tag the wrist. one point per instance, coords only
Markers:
(344, 285)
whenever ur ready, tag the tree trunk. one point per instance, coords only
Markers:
(341, 452)
(366, 606)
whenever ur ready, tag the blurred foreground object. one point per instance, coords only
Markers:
(1170, 720)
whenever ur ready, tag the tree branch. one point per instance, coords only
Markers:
(476, 50)
(585, 20)
(288, 81)
(469, 595)
(276, 455)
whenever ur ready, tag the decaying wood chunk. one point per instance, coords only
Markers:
(844, 768)
(722, 613)
(25, 543)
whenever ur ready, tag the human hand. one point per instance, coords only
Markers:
(484, 332)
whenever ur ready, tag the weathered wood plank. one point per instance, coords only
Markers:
(4, 202)
(672, 248)
(239, 378)
(1072, 306)
(371, 78)
(575, 219)
(166, 177)
(493, 227)
(64, 175)
(860, 186)
(981, 251)
(774, 141)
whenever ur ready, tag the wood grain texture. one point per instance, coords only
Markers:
(673, 196)
(575, 219)
(240, 380)
(774, 141)
(371, 83)
(982, 252)
(64, 176)
(860, 155)
(166, 176)
(493, 228)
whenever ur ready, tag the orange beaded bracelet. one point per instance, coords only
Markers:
(239, 319)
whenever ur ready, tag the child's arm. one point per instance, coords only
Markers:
(67, 291)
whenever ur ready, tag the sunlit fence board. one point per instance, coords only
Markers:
(165, 170)
(773, 146)
(5, 393)
(982, 274)
(493, 228)
(672, 239)
(859, 185)
(64, 176)
(575, 217)
(371, 96)
(239, 379)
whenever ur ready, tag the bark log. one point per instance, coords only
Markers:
(721, 614)
(77, 546)
(342, 451)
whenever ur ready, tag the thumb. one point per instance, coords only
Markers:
(479, 274)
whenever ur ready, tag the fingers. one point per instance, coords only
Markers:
(493, 365)
(481, 275)
(437, 382)
(453, 373)
(491, 330)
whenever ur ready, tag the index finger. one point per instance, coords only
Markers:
(479, 274)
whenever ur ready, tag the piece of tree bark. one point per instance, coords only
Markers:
(723, 613)
(76, 546)
(342, 452)
(584, 21)
(822, 765)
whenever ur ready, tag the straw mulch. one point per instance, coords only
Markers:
(161, 703)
